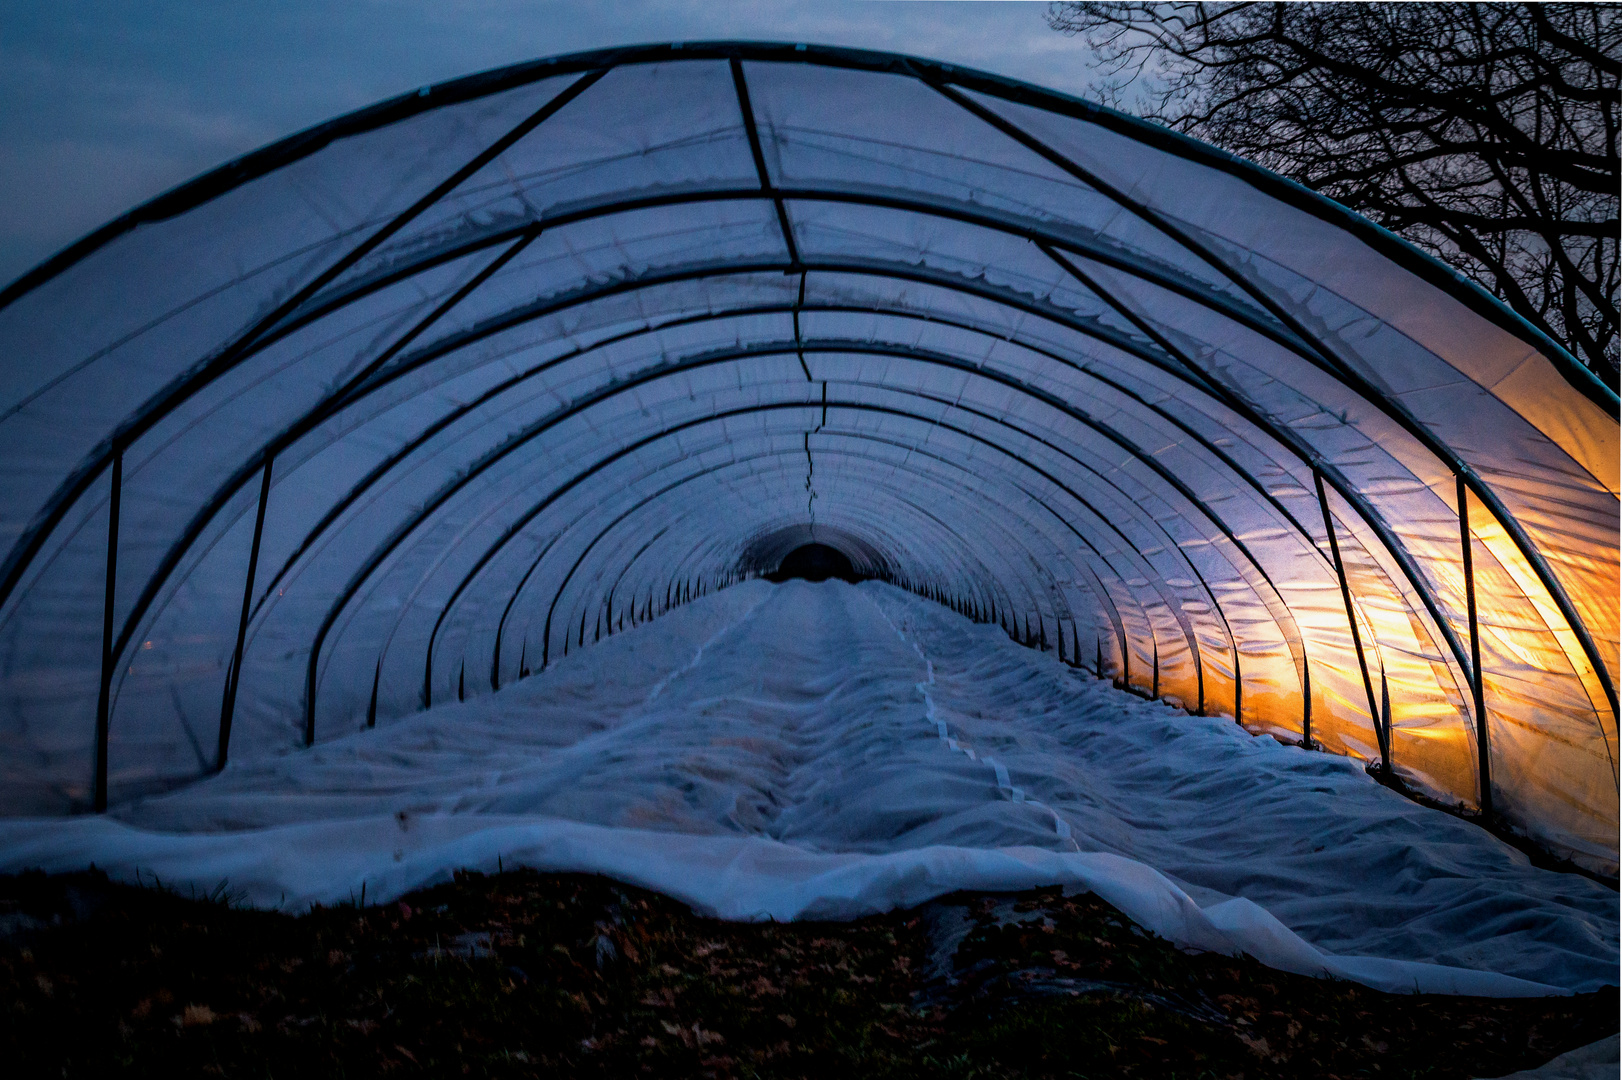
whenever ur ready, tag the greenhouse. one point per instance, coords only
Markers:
(395, 425)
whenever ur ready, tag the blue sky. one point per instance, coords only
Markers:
(105, 103)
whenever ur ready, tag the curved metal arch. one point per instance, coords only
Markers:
(658, 371)
(382, 552)
(501, 624)
(439, 425)
(1331, 474)
(936, 80)
(993, 294)
(1111, 338)
(404, 106)
(449, 418)
(184, 386)
(779, 453)
(1175, 606)
(859, 436)
(1149, 522)
(463, 584)
(726, 355)
(992, 579)
(1128, 547)
(1354, 606)
(1128, 551)
(245, 473)
(761, 552)
(982, 590)
(943, 528)
(1333, 365)
(521, 236)
(1104, 602)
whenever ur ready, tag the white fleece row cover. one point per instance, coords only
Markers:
(826, 751)
(401, 408)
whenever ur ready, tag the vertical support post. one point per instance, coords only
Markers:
(371, 706)
(1483, 754)
(104, 699)
(1385, 699)
(1306, 703)
(234, 673)
(1381, 732)
(1238, 686)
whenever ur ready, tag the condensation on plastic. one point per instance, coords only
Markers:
(1069, 374)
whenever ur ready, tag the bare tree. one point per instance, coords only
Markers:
(1485, 134)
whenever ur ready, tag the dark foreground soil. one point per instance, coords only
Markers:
(526, 974)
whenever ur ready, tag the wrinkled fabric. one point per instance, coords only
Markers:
(828, 751)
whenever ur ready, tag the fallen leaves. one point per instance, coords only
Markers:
(541, 975)
(196, 1016)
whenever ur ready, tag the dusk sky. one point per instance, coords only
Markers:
(104, 104)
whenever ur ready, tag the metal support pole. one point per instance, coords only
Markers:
(233, 674)
(1381, 732)
(1238, 686)
(1306, 704)
(104, 700)
(371, 706)
(1483, 755)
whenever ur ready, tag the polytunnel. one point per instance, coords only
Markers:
(406, 407)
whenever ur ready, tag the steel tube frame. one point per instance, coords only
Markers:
(1483, 745)
(1331, 364)
(1124, 345)
(864, 436)
(937, 77)
(493, 392)
(779, 453)
(233, 673)
(108, 657)
(524, 233)
(733, 354)
(1381, 731)
(54, 511)
(382, 553)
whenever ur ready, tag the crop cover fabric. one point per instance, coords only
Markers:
(412, 404)
(823, 751)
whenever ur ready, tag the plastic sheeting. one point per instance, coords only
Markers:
(828, 751)
(414, 403)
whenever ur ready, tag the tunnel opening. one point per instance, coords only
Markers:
(815, 562)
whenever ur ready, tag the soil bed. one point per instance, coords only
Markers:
(528, 974)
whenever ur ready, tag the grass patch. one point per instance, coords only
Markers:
(527, 974)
